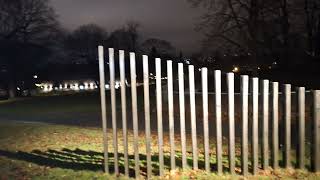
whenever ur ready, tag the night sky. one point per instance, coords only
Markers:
(171, 20)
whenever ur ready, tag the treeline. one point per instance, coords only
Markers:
(32, 39)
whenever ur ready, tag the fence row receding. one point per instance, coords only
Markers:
(269, 147)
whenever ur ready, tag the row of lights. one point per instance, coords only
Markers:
(74, 86)
(237, 69)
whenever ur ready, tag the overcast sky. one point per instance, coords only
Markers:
(172, 20)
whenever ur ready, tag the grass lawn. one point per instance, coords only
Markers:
(76, 109)
(44, 151)
(58, 137)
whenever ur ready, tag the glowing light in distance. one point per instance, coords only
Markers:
(76, 86)
(86, 85)
(235, 69)
(91, 86)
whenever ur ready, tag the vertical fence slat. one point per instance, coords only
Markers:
(171, 114)
(217, 78)
(159, 115)
(193, 117)
(204, 75)
(265, 125)
(230, 82)
(244, 117)
(134, 113)
(255, 125)
(103, 108)
(124, 110)
(147, 113)
(287, 118)
(114, 110)
(301, 122)
(182, 116)
(316, 131)
(275, 125)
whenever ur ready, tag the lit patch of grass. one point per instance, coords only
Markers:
(42, 151)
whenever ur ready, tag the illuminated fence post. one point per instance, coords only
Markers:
(114, 110)
(204, 73)
(244, 118)
(316, 132)
(255, 133)
(103, 108)
(193, 117)
(147, 113)
(182, 116)
(301, 119)
(217, 77)
(287, 118)
(265, 125)
(230, 82)
(124, 111)
(159, 115)
(134, 113)
(275, 125)
(171, 115)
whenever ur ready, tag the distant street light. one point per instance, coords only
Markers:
(35, 77)
(235, 69)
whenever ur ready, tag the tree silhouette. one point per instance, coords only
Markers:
(263, 29)
(25, 30)
(83, 42)
(312, 13)
(125, 38)
(158, 48)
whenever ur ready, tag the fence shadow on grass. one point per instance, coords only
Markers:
(78, 159)
(68, 159)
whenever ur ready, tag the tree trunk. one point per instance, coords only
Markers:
(255, 63)
(317, 50)
(12, 89)
(285, 33)
(308, 26)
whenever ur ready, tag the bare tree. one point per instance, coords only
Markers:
(236, 25)
(25, 28)
(256, 27)
(26, 20)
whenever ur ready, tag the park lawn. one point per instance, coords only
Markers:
(43, 151)
(64, 103)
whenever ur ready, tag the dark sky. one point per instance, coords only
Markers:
(172, 20)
